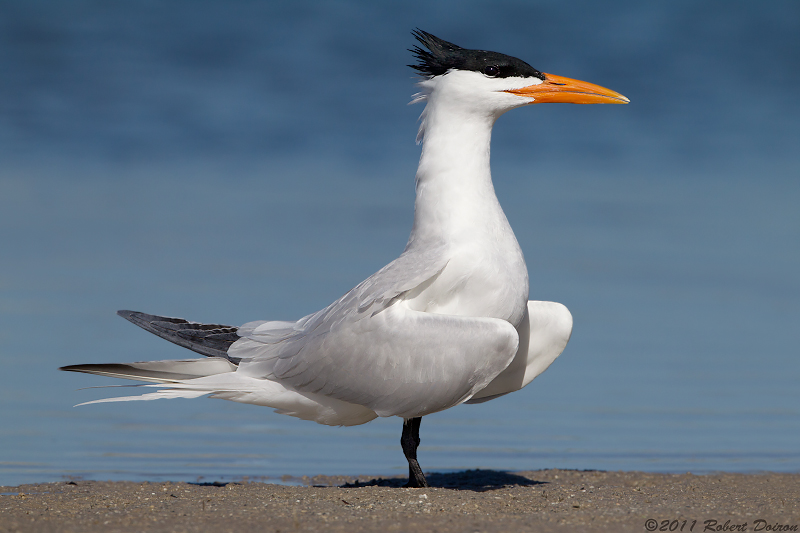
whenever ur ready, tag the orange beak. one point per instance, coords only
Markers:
(557, 89)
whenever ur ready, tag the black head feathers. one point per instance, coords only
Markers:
(442, 56)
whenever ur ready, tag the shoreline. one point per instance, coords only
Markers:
(473, 500)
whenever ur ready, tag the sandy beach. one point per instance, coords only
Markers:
(474, 501)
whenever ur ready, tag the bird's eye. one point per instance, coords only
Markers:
(491, 71)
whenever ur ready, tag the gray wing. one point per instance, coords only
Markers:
(368, 348)
(376, 293)
(371, 296)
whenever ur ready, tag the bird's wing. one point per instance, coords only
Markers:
(395, 362)
(211, 340)
(370, 349)
(412, 269)
(543, 335)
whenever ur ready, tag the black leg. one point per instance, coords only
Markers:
(410, 442)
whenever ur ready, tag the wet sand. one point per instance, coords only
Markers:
(490, 501)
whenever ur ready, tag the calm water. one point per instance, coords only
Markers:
(230, 161)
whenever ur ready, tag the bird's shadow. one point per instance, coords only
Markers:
(475, 480)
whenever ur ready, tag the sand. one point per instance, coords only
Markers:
(472, 501)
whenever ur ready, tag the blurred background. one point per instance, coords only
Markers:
(241, 160)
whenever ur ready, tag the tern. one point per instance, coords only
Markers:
(448, 322)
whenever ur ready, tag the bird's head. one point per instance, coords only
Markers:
(495, 83)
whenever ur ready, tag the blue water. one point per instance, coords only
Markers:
(231, 161)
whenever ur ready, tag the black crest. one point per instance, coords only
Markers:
(442, 56)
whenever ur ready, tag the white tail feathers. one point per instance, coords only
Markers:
(166, 394)
(217, 377)
(159, 371)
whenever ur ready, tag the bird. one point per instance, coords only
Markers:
(447, 322)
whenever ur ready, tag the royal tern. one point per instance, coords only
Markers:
(447, 322)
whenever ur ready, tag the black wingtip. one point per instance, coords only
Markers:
(145, 320)
(141, 319)
(211, 340)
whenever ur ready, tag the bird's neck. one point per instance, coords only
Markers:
(455, 199)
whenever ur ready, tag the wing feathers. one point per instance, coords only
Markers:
(211, 340)
(544, 333)
(398, 362)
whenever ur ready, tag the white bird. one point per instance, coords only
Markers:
(447, 322)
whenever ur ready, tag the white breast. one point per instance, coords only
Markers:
(480, 279)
